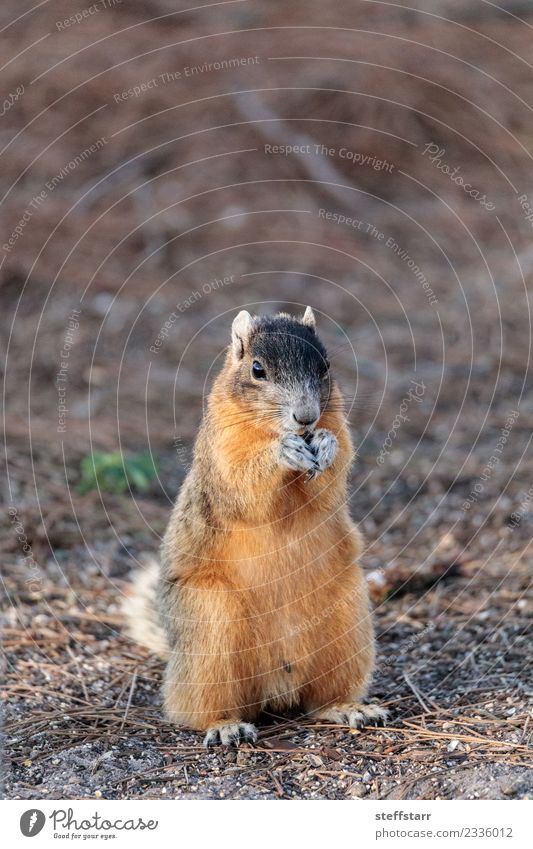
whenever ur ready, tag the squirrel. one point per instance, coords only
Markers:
(258, 601)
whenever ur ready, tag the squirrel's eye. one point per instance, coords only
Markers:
(258, 371)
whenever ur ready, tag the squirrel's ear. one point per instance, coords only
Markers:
(309, 318)
(240, 332)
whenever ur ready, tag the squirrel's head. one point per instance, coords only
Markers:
(279, 370)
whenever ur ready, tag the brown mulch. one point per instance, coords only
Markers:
(84, 716)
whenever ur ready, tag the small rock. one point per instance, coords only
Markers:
(356, 791)
(511, 789)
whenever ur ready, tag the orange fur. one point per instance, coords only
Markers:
(265, 602)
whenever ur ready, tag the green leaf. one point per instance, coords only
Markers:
(115, 473)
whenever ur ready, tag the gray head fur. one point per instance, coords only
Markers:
(294, 364)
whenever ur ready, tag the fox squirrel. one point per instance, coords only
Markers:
(260, 600)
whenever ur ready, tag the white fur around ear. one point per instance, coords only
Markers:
(309, 318)
(240, 332)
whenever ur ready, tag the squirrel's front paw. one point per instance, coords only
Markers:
(296, 454)
(323, 444)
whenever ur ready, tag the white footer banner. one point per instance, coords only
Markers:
(268, 824)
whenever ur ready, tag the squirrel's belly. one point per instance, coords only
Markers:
(284, 670)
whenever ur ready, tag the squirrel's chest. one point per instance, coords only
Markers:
(284, 579)
(277, 557)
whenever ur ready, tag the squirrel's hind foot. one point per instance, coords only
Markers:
(231, 734)
(354, 714)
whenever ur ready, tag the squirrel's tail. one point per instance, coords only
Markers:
(140, 609)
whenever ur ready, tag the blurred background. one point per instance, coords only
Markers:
(163, 167)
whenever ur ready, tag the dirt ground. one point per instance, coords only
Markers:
(144, 201)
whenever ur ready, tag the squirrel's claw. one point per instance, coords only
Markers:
(231, 734)
(354, 714)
